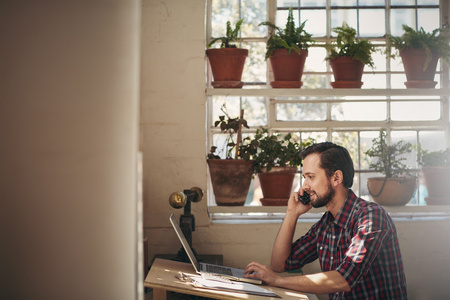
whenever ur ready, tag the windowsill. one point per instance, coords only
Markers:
(275, 214)
(261, 92)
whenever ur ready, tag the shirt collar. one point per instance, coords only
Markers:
(343, 216)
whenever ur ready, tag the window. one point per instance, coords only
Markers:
(351, 117)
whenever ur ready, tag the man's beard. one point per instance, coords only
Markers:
(321, 201)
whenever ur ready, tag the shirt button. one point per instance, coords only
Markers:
(321, 247)
(331, 257)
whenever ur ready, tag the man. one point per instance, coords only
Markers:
(355, 240)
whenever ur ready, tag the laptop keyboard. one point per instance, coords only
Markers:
(218, 270)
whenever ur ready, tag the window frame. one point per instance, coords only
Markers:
(272, 99)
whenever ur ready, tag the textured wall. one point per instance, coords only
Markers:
(173, 105)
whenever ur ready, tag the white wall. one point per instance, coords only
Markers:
(174, 144)
(68, 133)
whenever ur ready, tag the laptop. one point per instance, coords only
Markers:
(210, 269)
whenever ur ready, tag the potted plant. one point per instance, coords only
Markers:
(436, 171)
(420, 51)
(347, 56)
(231, 176)
(227, 62)
(276, 163)
(397, 186)
(287, 50)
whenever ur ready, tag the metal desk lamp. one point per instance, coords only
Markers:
(187, 220)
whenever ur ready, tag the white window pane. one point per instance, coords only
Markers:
(232, 105)
(396, 63)
(415, 111)
(220, 141)
(301, 112)
(254, 12)
(314, 81)
(223, 11)
(413, 2)
(255, 111)
(301, 3)
(371, 2)
(349, 140)
(281, 18)
(343, 15)
(400, 17)
(379, 59)
(407, 137)
(366, 142)
(432, 140)
(403, 2)
(318, 136)
(428, 19)
(306, 3)
(373, 81)
(255, 66)
(359, 111)
(371, 22)
(254, 193)
(287, 3)
(398, 81)
(316, 24)
(428, 2)
(343, 2)
(315, 60)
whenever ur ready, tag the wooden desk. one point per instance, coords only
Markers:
(162, 279)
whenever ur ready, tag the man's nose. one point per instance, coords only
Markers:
(305, 185)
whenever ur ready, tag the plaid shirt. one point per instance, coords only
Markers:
(361, 244)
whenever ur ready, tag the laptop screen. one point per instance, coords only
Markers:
(184, 242)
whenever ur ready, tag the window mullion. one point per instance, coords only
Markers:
(388, 31)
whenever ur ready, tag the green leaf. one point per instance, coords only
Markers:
(290, 38)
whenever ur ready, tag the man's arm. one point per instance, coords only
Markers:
(283, 242)
(319, 283)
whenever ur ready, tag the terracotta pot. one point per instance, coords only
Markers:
(287, 68)
(413, 62)
(276, 185)
(274, 201)
(437, 183)
(227, 65)
(230, 179)
(393, 191)
(347, 72)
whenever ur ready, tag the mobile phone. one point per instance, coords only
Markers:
(304, 199)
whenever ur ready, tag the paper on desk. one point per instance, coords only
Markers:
(233, 286)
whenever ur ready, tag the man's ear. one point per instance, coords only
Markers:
(338, 178)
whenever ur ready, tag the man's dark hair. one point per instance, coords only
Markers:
(332, 158)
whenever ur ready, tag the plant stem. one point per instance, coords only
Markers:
(239, 136)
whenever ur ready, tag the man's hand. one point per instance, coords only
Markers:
(257, 270)
(295, 206)
(319, 283)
